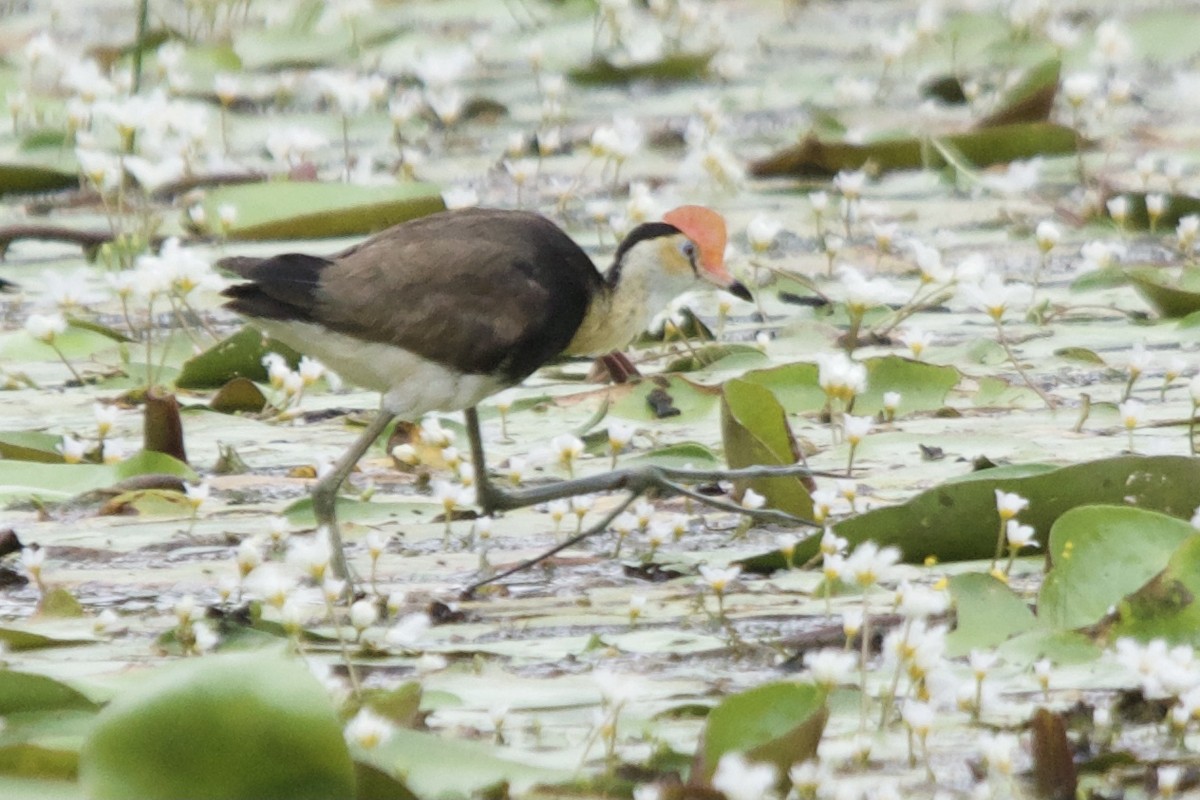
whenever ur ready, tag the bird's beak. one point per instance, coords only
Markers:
(739, 290)
(715, 272)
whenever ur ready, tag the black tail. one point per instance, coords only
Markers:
(280, 287)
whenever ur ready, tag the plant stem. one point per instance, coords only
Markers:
(1012, 358)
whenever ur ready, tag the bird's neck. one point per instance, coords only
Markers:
(633, 292)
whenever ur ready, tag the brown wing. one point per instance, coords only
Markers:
(483, 291)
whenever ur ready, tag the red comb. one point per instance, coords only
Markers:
(706, 228)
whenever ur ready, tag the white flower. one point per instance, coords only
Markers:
(830, 667)
(363, 614)
(916, 340)
(72, 449)
(1009, 504)
(1140, 359)
(451, 495)
(861, 293)
(998, 751)
(45, 327)
(840, 377)
(850, 184)
(204, 637)
(739, 779)
(1131, 411)
(1019, 535)
(891, 401)
(196, 493)
(1118, 208)
(567, 448)
(856, 428)
(311, 555)
(752, 500)
(918, 717)
(993, 296)
(409, 631)
(761, 232)
(1156, 204)
(1047, 235)
(981, 662)
(619, 434)
(368, 730)
(819, 201)
(869, 563)
(719, 579)
(1079, 87)
(920, 602)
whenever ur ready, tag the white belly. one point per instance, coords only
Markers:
(411, 385)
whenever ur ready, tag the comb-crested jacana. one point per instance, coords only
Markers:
(442, 311)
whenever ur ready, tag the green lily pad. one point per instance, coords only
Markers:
(1166, 607)
(665, 399)
(237, 356)
(311, 210)
(680, 456)
(25, 478)
(240, 394)
(779, 723)
(22, 692)
(224, 726)
(755, 432)
(30, 446)
(987, 613)
(1101, 554)
(957, 521)
(923, 386)
(980, 148)
(1172, 300)
(673, 68)
(1031, 99)
(25, 178)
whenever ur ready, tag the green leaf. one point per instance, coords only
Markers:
(923, 386)
(30, 446)
(35, 761)
(222, 726)
(987, 613)
(957, 521)
(1101, 554)
(779, 723)
(1166, 607)
(25, 178)
(1030, 100)
(239, 394)
(755, 432)
(17, 639)
(311, 210)
(664, 399)
(435, 767)
(679, 456)
(1171, 300)
(673, 68)
(25, 478)
(237, 356)
(981, 148)
(24, 692)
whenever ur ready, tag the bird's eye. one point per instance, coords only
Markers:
(688, 248)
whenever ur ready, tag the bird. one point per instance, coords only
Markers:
(439, 312)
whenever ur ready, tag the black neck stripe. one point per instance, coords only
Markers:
(647, 230)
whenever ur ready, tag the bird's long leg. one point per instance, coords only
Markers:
(325, 492)
(639, 479)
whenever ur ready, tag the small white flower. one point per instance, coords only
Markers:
(1009, 504)
(368, 730)
(1048, 235)
(106, 417)
(752, 500)
(45, 327)
(918, 716)
(205, 637)
(72, 449)
(1130, 412)
(196, 493)
(408, 632)
(1019, 535)
(363, 614)
(1156, 205)
(718, 579)
(761, 232)
(830, 667)
(869, 563)
(1118, 208)
(891, 401)
(856, 428)
(567, 448)
(739, 779)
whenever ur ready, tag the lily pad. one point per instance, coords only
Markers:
(981, 148)
(987, 613)
(311, 210)
(238, 356)
(19, 178)
(1101, 554)
(1173, 300)
(1030, 100)
(228, 726)
(24, 478)
(755, 432)
(957, 521)
(923, 386)
(779, 723)
(673, 68)
(1166, 607)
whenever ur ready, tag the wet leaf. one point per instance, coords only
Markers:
(239, 395)
(1171, 299)
(779, 723)
(230, 726)
(640, 402)
(162, 430)
(23, 692)
(814, 158)
(436, 767)
(26, 178)
(1166, 607)
(1100, 554)
(923, 386)
(957, 521)
(30, 446)
(238, 356)
(987, 612)
(673, 68)
(65, 480)
(59, 602)
(754, 431)
(1030, 100)
(310, 210)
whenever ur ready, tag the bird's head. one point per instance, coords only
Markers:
(671, 256)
